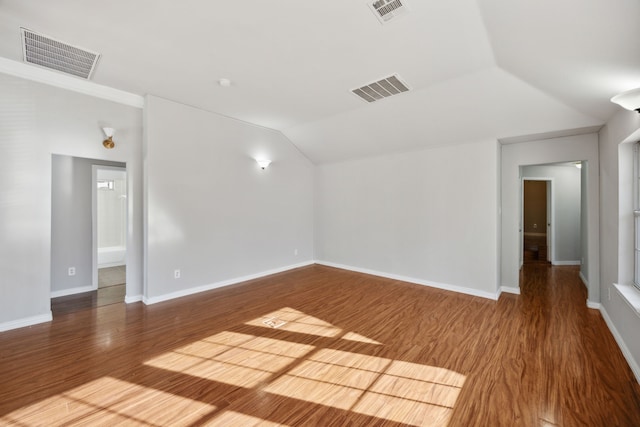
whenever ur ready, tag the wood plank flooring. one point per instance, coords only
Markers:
(347, 349)
(111, 289)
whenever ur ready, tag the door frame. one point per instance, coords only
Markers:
(94, 217)
(551, 242)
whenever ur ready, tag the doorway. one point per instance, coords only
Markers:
(109, 231)
(536, 221)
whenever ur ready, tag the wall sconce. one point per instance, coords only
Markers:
(108, 143)
(629, 100)
(263, 163)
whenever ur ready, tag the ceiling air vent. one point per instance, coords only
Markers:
(386, 10)
(53, 54)
(381, 89)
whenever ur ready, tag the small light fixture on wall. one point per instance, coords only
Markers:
(629, 100)
(263, 163)
(108, 143)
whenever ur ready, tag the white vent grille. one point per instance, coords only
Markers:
(381, 89)
(53, 54)
(386, 10)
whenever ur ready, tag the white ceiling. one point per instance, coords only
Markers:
(478, 69)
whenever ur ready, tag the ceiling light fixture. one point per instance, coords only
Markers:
(224, 82)
(629, 100)
(108, 143)
(263, 163)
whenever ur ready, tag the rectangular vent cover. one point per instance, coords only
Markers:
(381, 89)
(53, 54)
(386, 10)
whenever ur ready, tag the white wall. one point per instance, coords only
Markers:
(427, 216)
(584, 229)
(566, 205)
(37, 121)
(616, 230)
(71, 228)
(111, 209)
(556, 150)
(211, 211)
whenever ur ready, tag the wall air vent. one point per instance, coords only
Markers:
(53, 54)
(384, 88)
(386, 10)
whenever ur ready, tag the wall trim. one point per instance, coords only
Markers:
(204, 288)
(584, 280)
(510, 290)
(131, 299)
(594, 305)
(566, 263)
(443, 286)
(623, 346)
(75, 84)
(27, 321)
(72, 291)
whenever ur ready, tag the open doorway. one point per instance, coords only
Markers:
(537, 208)
(109, 231)
(74, 278)
(553, 214)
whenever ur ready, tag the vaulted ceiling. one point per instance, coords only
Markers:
(477, 69)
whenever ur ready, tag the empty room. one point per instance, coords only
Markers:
(385, 212)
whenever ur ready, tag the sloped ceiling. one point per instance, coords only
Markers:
(478, 69)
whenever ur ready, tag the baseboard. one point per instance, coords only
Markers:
(27, 321)
(510, 290)
(595, 305)
(204, 288)
(111, 264)
(584, 280)
(132, 299)
(443, 286)
(71, 291)
(623, 346)
(566, 263)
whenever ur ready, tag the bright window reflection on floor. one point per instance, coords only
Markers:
(297, 321)
(109, 401)
(319, 377)
(232, 358)
(398, 391)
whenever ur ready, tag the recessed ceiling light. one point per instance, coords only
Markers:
(224, 82)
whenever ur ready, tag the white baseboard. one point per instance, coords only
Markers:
(595, 305)
(71, 291)
(27, 321)
(510, 290)
(584, 280)
(111, 264)
(131, 299)
(443, 286)
(566, 263)
(623, 346)
(204, 288)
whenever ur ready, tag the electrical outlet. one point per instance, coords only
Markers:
(609, 296)
(295, 252)
(72, 271)
(176, 274)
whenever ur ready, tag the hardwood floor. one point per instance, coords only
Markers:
(111, 290)
(346, 349)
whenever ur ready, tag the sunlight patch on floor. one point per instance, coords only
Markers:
(297, 321)
(109, 401)
(393, 390)
(232, 358)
